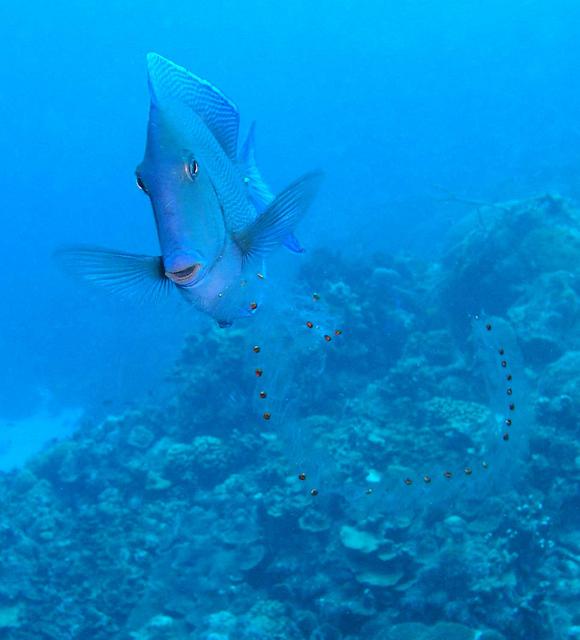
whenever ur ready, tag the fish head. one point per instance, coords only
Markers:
(188, 215)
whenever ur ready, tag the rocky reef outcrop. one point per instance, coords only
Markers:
(180, 519)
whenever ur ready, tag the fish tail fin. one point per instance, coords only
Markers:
(258, 191)
(129, 275)
(292, 243)
(275, 225)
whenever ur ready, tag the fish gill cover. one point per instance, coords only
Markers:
(365, 444)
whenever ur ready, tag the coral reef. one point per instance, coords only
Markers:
(184, 519)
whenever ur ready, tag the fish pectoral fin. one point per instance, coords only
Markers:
(275, 225)
(258, 191)
(129, 275)
(168, 81)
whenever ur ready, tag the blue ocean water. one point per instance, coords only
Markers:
(412, 471)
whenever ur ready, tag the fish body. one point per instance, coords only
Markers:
(216, 219)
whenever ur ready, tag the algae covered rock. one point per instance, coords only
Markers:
(315, 521)
(547, 316)
(560, 389)
(458, 415)
(439, 631)
(210, 454)
(159, 627)
(496, 254)
(140, 437)
(269, 619)
(357, 540)
(10, 615)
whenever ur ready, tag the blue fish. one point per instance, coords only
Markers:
(216, 219)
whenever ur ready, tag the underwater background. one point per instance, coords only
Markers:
(418, 475)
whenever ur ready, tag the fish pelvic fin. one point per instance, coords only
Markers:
(170, 82)
(137, 277)
(276, 224)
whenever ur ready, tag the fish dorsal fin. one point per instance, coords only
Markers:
(129, 275)
(170, 82)
(271, 228)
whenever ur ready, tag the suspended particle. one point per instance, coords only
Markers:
(302, 476)
(259, 373)
(427, 479)
(338, 332)
(506, 436)
(485, 465)
(256, 349)
(508, 422)
(309, 324)
(260, 275)
(253, 305)
(488, 327)
(408, 482)
(448, 475)
(512, 406)
(501, 351)
(327, 338)
(468, 471)
(266, 415)
(509, 391)
(504, 363)
(313, 492)
(369, 492)
(316, 296)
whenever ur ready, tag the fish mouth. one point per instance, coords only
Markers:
(184, 276)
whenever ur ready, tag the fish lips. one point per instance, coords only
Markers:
(185, 276)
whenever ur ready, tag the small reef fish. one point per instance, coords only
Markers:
(214, 214)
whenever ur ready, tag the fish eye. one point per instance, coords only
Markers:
(141, 184)
(192, 168)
